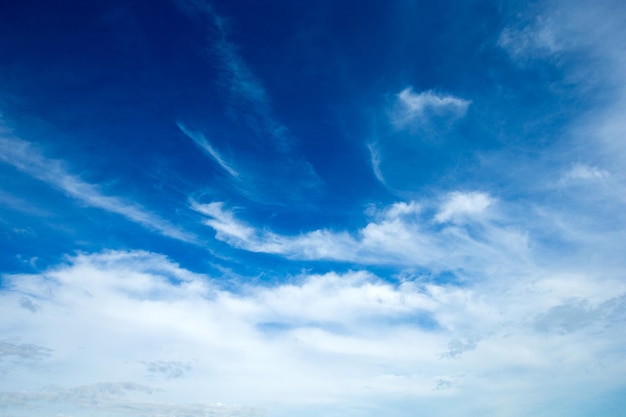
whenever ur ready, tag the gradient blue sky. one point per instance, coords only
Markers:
(330, 208)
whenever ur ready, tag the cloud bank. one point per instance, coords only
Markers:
(328, 340)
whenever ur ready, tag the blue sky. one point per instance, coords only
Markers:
(312, 208)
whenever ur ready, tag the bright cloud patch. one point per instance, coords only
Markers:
(249, 346)
(459, 206)
(418, 108)
(401, 234)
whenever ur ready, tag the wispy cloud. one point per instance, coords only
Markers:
(375, 161)
(418, 108)
(581, 172)
(29, 159)
(417, 125)
(400, 234)
(206, 146)
(536, 39)
(585, 40)
(245, 90)
(284, 174)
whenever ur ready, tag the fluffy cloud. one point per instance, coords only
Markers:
(461, 206)
(321, 340)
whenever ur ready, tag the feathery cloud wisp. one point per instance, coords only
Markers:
(27, 158)
(206, 146)
(401, 234)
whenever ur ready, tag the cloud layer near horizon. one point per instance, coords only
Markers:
(353, 335)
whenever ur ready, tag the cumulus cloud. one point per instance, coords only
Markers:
(460, 206)
(320, 340)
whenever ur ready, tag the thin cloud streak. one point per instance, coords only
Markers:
(285, 174)
(244, 88)
(28, 159)
(205, 145)
(375, 161)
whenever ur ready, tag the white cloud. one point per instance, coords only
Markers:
(283, 174)
(460, 206)
(206, 146)
(243, 84)
(581, 172)
(227, 227)
(417, 108)
(418, 124)
(313, 341)
(589, 49)
(375, 160)
(536, 39)
(401, 234)
(245, 90)
(27, 158)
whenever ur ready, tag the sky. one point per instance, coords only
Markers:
(332, 208)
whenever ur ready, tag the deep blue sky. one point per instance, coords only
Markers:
(313, 208)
